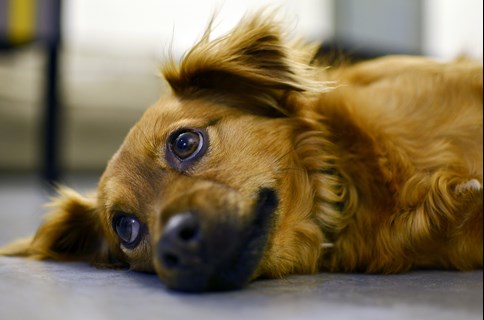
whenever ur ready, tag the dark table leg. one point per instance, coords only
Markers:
(52, 113)
(52, 109)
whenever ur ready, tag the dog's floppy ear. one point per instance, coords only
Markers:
(71, 232)
(251, 65)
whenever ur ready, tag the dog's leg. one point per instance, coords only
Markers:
(466, 248)
(468, 187)
(439, 225)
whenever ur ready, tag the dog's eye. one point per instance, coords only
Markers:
(186, 144)
(128, 229)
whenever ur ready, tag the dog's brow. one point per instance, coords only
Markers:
(117, 206)
(213, 122)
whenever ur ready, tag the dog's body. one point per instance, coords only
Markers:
(260, 163)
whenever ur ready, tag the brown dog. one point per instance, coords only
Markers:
(260, 162)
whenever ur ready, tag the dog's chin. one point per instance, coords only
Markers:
(235, 267)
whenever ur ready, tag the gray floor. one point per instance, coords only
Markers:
(48, 290)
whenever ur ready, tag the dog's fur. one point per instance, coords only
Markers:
(372, 167)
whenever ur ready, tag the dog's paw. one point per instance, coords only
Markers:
(470, 186)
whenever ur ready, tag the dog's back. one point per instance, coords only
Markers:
(408, 133)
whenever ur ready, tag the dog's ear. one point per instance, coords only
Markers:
(71, 232)
(251, 67)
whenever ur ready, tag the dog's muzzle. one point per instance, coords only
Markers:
(202, 251)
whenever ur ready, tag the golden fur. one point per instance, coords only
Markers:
(377, 165)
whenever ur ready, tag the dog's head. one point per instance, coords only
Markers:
(212, 187)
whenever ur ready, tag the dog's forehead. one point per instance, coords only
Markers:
(170, 112)
(140, 164)
(143, 148)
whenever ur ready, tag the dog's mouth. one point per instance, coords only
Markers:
(195, 255)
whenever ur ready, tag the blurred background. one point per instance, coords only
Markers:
(76, 74)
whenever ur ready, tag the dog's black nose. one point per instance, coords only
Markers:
(181, 244)
(201, 250)
(192, 253)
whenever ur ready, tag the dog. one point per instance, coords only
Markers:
(261, 161)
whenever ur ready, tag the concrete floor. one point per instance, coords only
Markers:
(49, 290)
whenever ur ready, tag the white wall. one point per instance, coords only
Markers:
(128, 26)
(453, 27)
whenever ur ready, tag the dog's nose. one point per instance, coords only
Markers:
(193, 250)
(208, 245)
(181, 244)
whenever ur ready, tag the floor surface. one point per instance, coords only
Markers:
(51, 291)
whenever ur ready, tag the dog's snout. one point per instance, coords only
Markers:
(193, 250)
(180, 246)
(212, 245)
